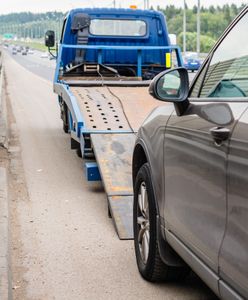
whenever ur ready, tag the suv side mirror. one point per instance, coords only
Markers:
(171, 85)
(50, 38)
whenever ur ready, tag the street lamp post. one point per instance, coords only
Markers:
(184, 27)
(198, 45)
(146, 4)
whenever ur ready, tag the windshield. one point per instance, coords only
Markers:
(118, 27)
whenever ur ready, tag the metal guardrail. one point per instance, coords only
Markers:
(100, 48)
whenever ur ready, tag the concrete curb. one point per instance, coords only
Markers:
(5, 289)
(3, 114)
(5, 278)
(1, 80)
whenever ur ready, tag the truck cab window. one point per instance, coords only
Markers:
(116, 27)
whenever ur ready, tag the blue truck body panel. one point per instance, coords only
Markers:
(155, 22)
(92, 171)
(139, 51)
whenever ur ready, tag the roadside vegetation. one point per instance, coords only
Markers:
(31, 44)
(214, 20)
(28, 26)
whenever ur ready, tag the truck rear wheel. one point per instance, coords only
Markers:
(64, 116)
(149, 262)
(79, 152)
(65, 128)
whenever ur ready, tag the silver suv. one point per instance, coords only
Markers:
(190, 172)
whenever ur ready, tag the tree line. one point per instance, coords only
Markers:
(31, 25)
(214, 20)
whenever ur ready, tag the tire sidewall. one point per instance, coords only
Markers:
(144, 175)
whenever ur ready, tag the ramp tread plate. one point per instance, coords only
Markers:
(114, 158)
(129, 105)
(121, 208)
(101, 110)
(136, 102)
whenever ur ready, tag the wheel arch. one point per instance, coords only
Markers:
(139, 158)
(167, 253)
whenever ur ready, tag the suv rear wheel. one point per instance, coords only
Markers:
(149, 262)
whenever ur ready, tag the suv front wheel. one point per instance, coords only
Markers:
(149, 262)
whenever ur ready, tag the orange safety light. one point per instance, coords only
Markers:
(133, 6)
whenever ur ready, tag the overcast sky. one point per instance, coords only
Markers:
(8, 6)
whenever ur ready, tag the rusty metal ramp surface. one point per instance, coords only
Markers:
(136, 102)
(113, 153)
(101, 110)
(121, 208)
(114, 108)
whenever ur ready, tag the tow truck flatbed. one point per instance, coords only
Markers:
(105, 61)
(114, 108)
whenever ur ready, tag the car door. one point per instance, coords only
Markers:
(195, 162)
(234, 250)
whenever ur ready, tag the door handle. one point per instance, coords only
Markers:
(220, 134)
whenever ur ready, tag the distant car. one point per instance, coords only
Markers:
(192, 61)
(190, 166)
(14, 52)
(24, 52)
(30, 51)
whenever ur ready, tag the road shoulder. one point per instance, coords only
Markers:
(5, 286)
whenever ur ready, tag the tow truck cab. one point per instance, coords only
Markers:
(114, 29)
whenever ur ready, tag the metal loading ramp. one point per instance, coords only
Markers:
(114, 108)
(113, 153)
(111, 116)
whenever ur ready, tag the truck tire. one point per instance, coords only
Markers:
(149, 262)
(79, 152)
(65, 128)
(64, 117)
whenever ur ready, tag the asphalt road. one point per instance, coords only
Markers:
(63, 245)
(43, 67)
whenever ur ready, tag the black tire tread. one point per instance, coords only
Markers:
(162, 272)
(65, 128)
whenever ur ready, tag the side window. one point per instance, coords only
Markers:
(63, 29)
(227, 74)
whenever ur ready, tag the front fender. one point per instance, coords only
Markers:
(149, 148)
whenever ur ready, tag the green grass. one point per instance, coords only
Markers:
(33, 45)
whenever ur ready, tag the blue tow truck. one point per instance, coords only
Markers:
(105, 61)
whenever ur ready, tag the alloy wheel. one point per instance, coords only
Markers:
(143, 223)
